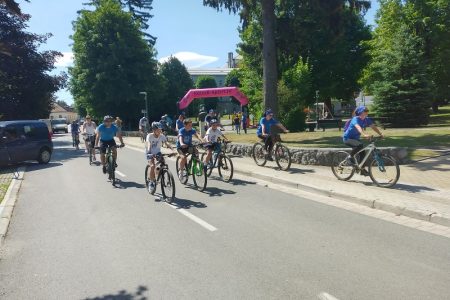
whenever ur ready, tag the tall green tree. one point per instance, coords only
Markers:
(178, 82)
(233, 78)
(26, 87)
(204, 82)
(112, 64)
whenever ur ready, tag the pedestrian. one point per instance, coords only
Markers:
(237, 123)
(118, 123)
(244, 122)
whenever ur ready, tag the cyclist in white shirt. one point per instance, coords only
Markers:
(212, 134)
(88, 132)
(153, 146)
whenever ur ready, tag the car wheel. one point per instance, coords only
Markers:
(44, 156)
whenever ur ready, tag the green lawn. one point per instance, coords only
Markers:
(3, 189)
(442, 118)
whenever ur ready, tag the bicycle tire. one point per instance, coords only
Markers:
(90, 155)
(339, 165)
(111, 170)
(227, 148)
(167, 180)
(198, 174)
(375, 167)
(283, 157)
(225, 165)
(185, 179)
(258, 154)
(209, 171)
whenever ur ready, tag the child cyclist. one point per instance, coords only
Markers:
(184, 144)
(155, 139)
(354, 131)
(211, 138)
(264, 131)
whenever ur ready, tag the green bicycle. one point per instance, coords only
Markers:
(194, 168)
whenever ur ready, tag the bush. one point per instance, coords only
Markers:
(294, 120)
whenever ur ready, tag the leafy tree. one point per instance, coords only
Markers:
(402, 89)
(26, 87)
(204, 82)
(112, 64)
(178, 82)
(232, 78)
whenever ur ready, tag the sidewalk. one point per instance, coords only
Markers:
(423, 190)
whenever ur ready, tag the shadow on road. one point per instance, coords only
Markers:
(124, 295)
(217, 192)
(186, 204)
(240, 182)
(120, 184)
(402, 187)
(300, 171)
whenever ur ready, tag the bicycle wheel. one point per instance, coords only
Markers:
(111, 170)
(225, 168)
(199, 175)
(227, 148)
(209, 171)
(384, 170)
(183, 179)
(259, 154)
(90, 155)
(168, 186)
(283, 157)
(341, 168)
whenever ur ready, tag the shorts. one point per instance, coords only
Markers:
(151, 156)
(185, 151)
(213, 146)
(90, 139)
(104, 144)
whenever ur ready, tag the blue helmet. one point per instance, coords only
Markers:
(268, 112)
(359, 110)
(156, 125)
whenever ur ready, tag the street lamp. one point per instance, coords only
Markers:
(146, 104)
(317, 110)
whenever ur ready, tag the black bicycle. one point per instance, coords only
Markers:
(110, 163)
(76, 140)
(194, 168)
(383, 169)
(280, 153)
(164, 177)
(90, 140)
(220, 161)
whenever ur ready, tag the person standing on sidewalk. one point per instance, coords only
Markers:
(353, 131)
(237, 123)
(244, 122)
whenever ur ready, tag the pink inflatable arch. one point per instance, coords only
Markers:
(210, 93)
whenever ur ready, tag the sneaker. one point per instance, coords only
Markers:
(364, 172)
(115, 165)
(85, 151)
(104, 169)
(152, 184)
(181, 174)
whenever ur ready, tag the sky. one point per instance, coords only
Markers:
(199, 36)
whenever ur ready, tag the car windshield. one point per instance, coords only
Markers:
(58, 122)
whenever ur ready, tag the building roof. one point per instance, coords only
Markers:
(211, 72)
(58, 108)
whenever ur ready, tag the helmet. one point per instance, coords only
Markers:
(359, 110)
(211, 111)
(214, 121)
(106, 118)
(268, 112)
(156, 125)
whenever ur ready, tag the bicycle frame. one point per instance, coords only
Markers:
(370, 149)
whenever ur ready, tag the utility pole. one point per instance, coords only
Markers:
(317, 109)
(146, 103)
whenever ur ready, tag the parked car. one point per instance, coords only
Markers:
(48, 123)
(59, 125)
(25, 140)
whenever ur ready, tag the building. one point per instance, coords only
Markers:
(58, 112)
(219, 74)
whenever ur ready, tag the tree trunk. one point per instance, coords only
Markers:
(269, 56)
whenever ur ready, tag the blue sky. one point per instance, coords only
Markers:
(199, 36)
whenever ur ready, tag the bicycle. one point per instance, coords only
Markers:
(279, 151)
(143, 134)
(383, 169)
(221, 161)
(194, 167)
(90, 140)
(165, 178)
(76, 140)
(110, 163)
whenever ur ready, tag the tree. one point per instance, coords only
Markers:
(232, 78)
(204, 82)
(402, 89)
(178, 82)
(26, 87)
(112, 64)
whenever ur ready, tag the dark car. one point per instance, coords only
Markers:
(25, 140)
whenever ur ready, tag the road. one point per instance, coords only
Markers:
(74, 236)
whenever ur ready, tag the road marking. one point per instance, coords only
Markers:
(121, 174)
(326, 296)
(194, 218)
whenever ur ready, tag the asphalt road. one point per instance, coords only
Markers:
(74, 236)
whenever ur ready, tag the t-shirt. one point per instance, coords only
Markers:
(107, 134)
(180, 124)
(212, 135)
(186, 135)
(89, 129)
(155, 143)
(352, 132)
(143, 122)
(74, 128)
(267, 124)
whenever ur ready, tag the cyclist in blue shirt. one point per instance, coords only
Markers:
(355, 129)
(264, 128)
(184, 143)
(75, 130)
(105, 134)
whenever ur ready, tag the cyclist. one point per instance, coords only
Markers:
(153, 146)
(211, 115)
(354, 131)
(143, 126)
(88, 130)
(184, 144)
(179, 123)
(264, 128)
(75, 130)
(105, 135)
(211, 138)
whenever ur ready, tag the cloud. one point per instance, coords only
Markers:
(64, 61)
(191, 59)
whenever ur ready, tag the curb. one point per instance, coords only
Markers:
(9, 202)
(397, 210)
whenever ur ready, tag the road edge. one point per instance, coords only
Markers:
(9, 202)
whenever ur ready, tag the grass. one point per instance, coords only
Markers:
(3, 189)
(442, 118)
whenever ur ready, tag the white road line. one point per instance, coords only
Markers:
(194, 218)
(326, 296)
(121, 174)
